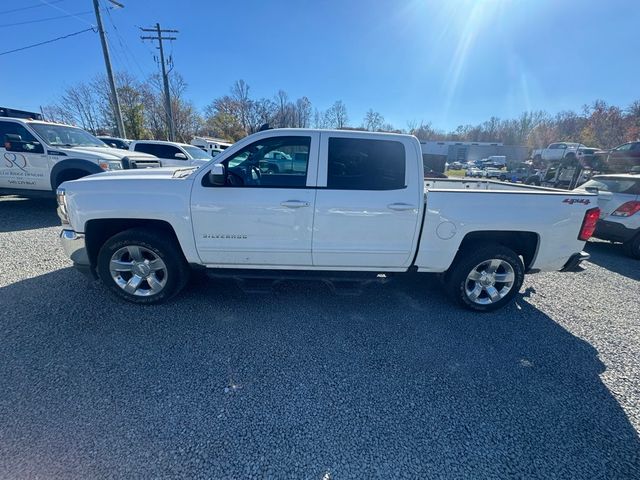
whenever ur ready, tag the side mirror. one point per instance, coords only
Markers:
(180, 156)
(218, 175)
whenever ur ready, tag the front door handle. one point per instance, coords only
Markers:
(294, 204)
(401, 206)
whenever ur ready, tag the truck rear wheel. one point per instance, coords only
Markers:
(142, 266)
(486, 278)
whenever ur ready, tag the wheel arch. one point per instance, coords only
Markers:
(71, 165)
(98, 231)
(524, 244)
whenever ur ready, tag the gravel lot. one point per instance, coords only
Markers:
(393, 383)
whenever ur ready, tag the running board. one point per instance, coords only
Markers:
(265, 281)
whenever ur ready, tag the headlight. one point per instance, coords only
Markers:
(63, 212)
(115, 165)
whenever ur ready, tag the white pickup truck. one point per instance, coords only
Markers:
(37, 156)
(360, 206)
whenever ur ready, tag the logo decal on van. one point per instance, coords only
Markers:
(15, 160)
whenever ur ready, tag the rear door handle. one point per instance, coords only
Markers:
(294, 204)
(401, 206)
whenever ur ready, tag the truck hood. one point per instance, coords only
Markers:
(166, 173)
(102, 153)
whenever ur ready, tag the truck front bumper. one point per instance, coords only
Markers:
(74, 246)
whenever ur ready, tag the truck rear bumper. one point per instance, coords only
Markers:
(574, 261)
(74, 246)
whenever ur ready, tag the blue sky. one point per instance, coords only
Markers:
(448, 62)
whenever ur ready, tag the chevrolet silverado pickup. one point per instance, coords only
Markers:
(353, 203)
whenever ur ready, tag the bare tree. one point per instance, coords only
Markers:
(240, 94)
(373, 121)
(303, 113)
(336, 116)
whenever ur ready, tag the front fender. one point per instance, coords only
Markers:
(72, 164)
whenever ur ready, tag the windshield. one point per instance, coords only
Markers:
(196, 153)
(614, 185)
(61, 135)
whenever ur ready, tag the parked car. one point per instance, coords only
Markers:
(517, 175)
(37, 156)
(492, 173)
(116, 142)
(358, 207)
(172, 154)
(560, 151)
(494, 161)
(278, 161)
(619, 203)
(623, 158)
(473, 172)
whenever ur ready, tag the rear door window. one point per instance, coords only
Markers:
(363, 164)
(145, 148)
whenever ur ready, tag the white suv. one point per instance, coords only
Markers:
(172, 154)
(619, 202)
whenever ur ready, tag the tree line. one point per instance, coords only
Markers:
(237, 114)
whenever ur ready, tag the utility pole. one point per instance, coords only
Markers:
(165, 77)
(115, 102)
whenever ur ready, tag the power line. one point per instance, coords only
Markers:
(165, 76)
(45, 19)
(30, 6)
(47, 41)
(127, 52)
(51, 4)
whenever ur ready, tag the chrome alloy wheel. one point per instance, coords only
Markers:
(138, 271)
(489, 281)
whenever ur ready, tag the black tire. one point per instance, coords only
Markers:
(632, 247)
(457, 283)
(155, 244)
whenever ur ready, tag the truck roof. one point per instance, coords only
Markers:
(31, 120)
(359, 133)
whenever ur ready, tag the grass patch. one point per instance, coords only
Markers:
(455, 173)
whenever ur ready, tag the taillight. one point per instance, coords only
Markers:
(589, 224)
(627, 209)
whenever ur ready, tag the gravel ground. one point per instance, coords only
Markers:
(393, 383)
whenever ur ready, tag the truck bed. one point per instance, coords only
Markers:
(434, 184)
(457, 207)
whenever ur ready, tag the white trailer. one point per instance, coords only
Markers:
(213, 146)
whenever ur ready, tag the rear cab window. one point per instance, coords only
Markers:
(365, 164)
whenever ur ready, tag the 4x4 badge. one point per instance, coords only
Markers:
(571, 201)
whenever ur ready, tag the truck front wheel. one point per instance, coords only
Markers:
(486, 278)
(142, 266)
